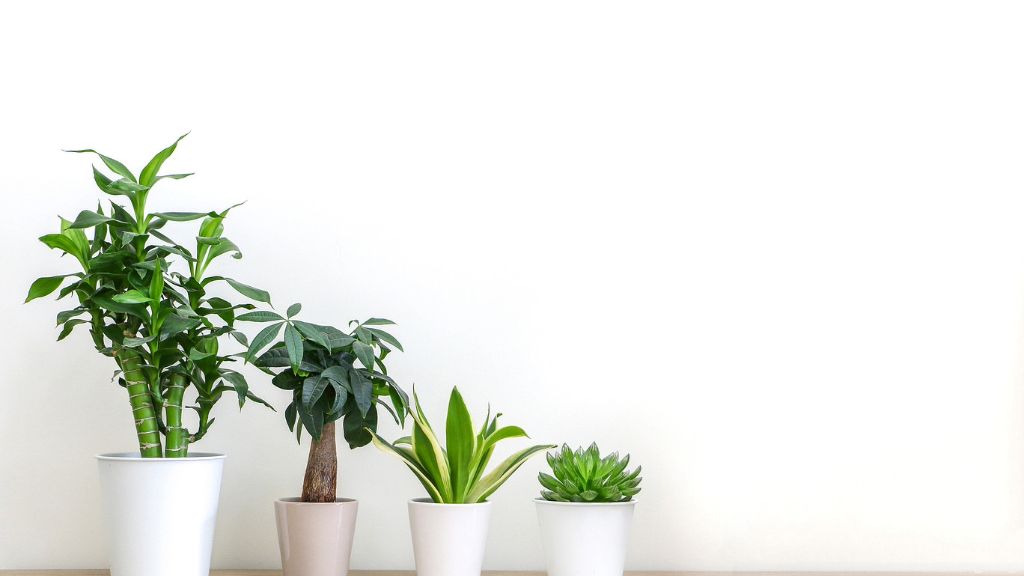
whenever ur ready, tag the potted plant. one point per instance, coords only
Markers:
(449, 529)
(332, 375)
(143, 298)
(585, 511)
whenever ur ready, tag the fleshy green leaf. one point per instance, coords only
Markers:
(460, 442)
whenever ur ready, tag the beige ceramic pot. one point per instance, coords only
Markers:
(315, 537)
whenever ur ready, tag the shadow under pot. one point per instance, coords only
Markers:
(315, 537)
(160, 513)
(448, 539)
(585, 539)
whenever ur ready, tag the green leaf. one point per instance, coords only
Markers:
(61, 242)
(183, 216)
(133, 309)
(377, 322)
(362, 391)
(265, 336)
(133, 342)
(44, 286)
(293, 342)
(318, 334)
(364, 352)
(66, 315)
(340, 397)
(414, 465)
(156, 284)
(173, 176)
(338, 374)
(132, 297)
(69, 326)
(260, 316)
(249, 291)
(117, 167)
(386, 337)
(240, 385)
(148, 176)
(356, 427)
(88, 219)
(460, 442)
(289, 416)
(126, 186)
(502, 472)
(294, 309)
(312, 389)
(286, 380)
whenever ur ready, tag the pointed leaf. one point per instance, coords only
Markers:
(148, 175)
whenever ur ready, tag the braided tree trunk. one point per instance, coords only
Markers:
(321, 481)
(146, 426)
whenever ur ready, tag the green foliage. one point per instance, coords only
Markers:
(454, 474)
(330, 373)
(583, 476)
(144, 299)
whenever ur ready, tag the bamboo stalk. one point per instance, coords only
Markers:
(177, 436)
(146, 426)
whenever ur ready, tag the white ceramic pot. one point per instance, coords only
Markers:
(585, 539)
(448, 539)
(315, 537)
(160, 512)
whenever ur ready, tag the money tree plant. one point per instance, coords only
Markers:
(332, 375)
(143, 298)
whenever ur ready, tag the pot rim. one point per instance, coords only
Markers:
(430, 502)
(586, 504)
(297, 501)
(136, 457)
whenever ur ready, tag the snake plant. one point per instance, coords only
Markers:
(583, 476)
(454, 473)
(144, 300)
(332, 375)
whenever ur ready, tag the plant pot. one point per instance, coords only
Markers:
(315, 537)
(583, 539)
(160, 512)
(448, 539)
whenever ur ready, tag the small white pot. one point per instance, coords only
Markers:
(315, 537)
(160, 512)
(448, 539)
(583, 539)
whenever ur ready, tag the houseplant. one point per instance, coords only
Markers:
(449, 529)
(143, 298)
(332, 375)
(585, 511)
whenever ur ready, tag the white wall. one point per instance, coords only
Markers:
(775, 250)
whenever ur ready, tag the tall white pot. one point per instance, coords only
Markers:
(160, 512)
(448, 539)
(583, 539)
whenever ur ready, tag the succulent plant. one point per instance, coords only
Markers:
(583, 476)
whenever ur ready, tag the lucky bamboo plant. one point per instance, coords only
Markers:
(332, 375)
(454, 473)
(144, 299)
